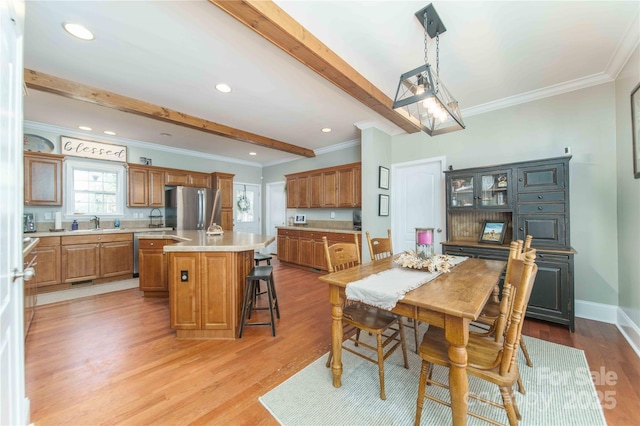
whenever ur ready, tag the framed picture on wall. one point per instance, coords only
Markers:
(635, 129)
(383, 205)
(383, 178)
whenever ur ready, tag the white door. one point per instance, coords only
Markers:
(14, 408)
(276, 211)
(246, 208)
(417, 202)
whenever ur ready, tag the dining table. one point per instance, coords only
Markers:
(450, 301)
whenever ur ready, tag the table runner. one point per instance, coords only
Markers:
(384, 289)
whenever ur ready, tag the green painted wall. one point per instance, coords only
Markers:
(583, 120)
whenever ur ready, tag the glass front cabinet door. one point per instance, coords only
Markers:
(484, 190)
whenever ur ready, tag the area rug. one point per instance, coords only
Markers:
(559, 391)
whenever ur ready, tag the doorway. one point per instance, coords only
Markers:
(246, 207)
(417, 202)
(276, 212)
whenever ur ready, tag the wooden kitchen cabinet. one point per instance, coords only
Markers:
(330, 187)
(153, 267)
(176, 177)
(224, 182)
(42, 179)
(48, 267)
(90, 257)
(200, 180)
(146, 187)
(306, 248)
(206, 290)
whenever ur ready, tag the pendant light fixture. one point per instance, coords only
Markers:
(421, 96)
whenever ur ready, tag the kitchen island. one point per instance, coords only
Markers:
(206, 276)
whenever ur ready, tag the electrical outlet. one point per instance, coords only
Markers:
(47, 216)
(184, 276)
(333, 215)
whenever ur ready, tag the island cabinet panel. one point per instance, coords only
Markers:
(42, 179)
(216, 295)
(184, 291)
(206, 290)
(153, 267)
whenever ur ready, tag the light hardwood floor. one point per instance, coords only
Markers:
(112, 359)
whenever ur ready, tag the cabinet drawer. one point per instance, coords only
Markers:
(288, 233)
(541, 197)
(542, 208)
(101, 238)
(312, 235)
(49, 241)
(544, 177)
(341, 238)
(153, 243)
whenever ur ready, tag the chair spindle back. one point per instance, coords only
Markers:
(342, 256)
(380, 248)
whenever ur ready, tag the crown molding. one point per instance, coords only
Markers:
(389, 130)
(138, 144)
(337, 147)
(625, 48)
(534, 95)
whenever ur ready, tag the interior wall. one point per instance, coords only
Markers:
(583, 120)
(628, 191)
(376, 152)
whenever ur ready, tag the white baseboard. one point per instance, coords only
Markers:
(597, 311)
(629, 330)
(611, 314)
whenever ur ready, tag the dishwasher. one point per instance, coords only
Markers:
(136, 245)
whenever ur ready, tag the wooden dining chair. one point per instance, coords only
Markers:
(491, 312)
(380, 248)
(487, 359)
(358, 317)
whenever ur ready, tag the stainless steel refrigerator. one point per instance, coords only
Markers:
(189, 208)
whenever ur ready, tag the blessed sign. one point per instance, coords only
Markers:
(95, 150)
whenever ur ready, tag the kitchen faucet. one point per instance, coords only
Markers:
(96, 219)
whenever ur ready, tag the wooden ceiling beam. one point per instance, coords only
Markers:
(275, 25)
(48, 83)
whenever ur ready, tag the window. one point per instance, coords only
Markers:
(94, 188)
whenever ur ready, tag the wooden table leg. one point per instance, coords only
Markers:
(336, 334)
(457, 334)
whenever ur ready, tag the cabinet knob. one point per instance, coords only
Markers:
(520, 180)
(539, 207)
(151, 244)
(521, 229)
(540, 197)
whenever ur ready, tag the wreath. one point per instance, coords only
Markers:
(243, 202)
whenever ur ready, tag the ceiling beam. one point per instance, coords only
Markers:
(69, 89)
(275, 25)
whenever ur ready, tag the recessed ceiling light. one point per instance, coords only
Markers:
(87, 128)
(79, 31)
(165, 134)
(326, 130)
(224, 88)
(252, 153)
(109, 132)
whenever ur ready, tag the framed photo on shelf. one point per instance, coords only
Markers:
(383, 205)
(493, 231)
(383, 178)
(635, 130)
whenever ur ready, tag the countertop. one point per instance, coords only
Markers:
(199, 241)
(308, 228)
(92, 231)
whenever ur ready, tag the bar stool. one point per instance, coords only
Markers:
(259, 257)
(257, 274)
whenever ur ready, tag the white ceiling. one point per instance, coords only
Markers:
(172, 53)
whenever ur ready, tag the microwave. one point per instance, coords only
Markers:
(28, 222)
